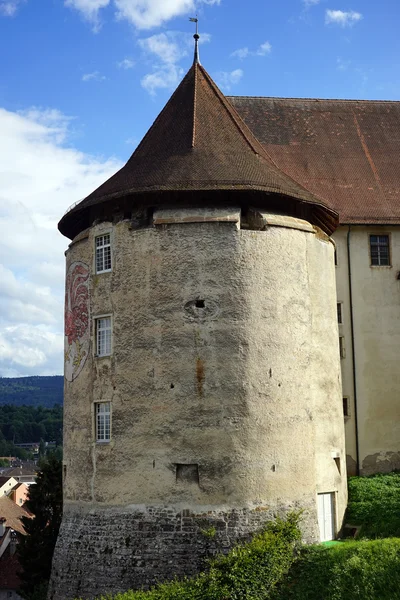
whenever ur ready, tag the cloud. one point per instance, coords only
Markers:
(126, 63)
(95, 76)
(262, 50)
(342, 65)
(310, 3)
(41, 175)
(9, 8)
(146, 14)
(89, 9)
(344, 19)
(225, 80)
(167, 77)
(168, 48)
(143, 14)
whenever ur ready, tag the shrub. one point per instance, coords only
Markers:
(374, 503)
(365, 570)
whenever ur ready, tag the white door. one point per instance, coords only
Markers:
(326, 517)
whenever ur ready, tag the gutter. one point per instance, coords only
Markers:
(353, 354)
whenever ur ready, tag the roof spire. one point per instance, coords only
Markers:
(196, 59)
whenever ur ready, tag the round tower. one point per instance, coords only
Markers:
(202, 368)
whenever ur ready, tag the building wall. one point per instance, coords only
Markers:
(246, 387)
(376, 313)
(7, 486)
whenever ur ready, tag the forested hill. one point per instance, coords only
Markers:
(32, 391)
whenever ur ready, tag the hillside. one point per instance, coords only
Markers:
(32, 391)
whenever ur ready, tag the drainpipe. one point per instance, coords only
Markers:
(353, 354)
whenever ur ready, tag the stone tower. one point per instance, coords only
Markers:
(202, 375)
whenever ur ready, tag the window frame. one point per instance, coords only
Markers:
(96, 320)
(342, 348)
(346, 400)
(97, 428)
(102, 247)
(378, 235)
(339, 312)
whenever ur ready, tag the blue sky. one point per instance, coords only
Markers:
(82, 81)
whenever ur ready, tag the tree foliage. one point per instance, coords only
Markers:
(44, 390)
(35, 549)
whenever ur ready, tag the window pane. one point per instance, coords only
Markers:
(103, 421)
(103, 335)
(379, 245)
(103, 253)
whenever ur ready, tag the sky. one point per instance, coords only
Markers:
(81, 81)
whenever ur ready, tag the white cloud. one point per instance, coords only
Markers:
(264, 49)
(168, 48)
(146, 14)
(95, 76)
(8, 8)
(164, 45)
(225, 80)
(39, 178)
(344, 19)
(89, 9)
(309, 3)
(166, 77)
(126, 63)
(243, 53)
(342, 65)
(143, 14)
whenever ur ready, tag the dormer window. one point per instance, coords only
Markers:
(103, 253)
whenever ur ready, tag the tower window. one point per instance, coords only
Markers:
(339, 312)
(103, 336)
(103, 253)
(346, 407)
(342, 349)
(379, 248)
(103, 421)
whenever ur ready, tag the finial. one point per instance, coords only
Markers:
(196, 59)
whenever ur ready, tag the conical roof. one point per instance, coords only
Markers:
(197, 143)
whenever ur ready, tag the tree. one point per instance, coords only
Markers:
(35, 549)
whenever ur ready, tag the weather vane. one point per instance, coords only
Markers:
(196, 36)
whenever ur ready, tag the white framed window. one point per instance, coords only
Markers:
(379, 249)
(103, 253)
(102, 411)
(103, 336)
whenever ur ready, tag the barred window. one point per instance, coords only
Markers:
(103, 336)
(379, 245)
(103, 421)
(103, 253)
(339, 312)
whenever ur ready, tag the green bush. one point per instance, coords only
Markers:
(365, 570)
(374, 503)
(249, 572)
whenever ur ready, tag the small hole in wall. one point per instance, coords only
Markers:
(65, 470)
(199, 304)
(154, 464)
(273, 468)
(172, 386)
(187, 473)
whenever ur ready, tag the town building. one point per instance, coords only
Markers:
(205, 337)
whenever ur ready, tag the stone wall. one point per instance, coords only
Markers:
(112, 550)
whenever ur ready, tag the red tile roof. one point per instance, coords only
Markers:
(198, 143)
(345, 151)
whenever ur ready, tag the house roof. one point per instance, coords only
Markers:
(4, 480)
(197, 143)
(345, 151)
(12, 513)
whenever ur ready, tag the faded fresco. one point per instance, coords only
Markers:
(77, 333)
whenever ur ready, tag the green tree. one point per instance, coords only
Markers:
(35, 549)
